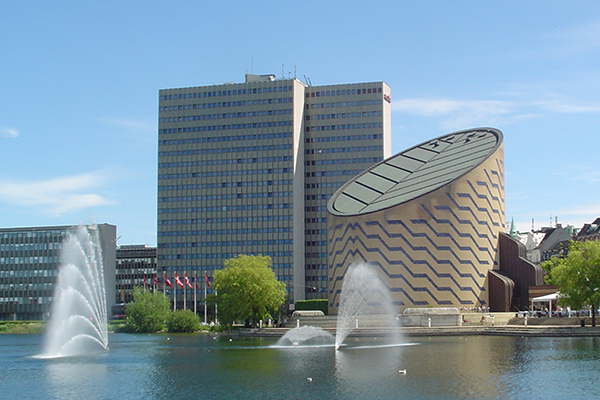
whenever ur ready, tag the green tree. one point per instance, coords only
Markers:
(147, 312)
(247, 289)
(183, 321)
(577, 276)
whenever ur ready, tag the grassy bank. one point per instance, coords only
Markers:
(22, 327)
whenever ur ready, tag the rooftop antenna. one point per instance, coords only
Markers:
(294, 72)
(282, 74)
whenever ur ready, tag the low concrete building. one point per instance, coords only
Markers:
(29, 262)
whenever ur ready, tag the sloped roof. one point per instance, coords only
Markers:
(415, 172)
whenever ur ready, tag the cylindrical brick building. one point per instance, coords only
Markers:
(427, 219)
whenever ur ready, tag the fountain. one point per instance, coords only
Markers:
(365, 303)
(306, 336)
(78, 322)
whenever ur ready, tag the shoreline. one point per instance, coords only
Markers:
(503, 330)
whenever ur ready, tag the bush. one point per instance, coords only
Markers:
(147, 312)
(309, 305)
(182, 321)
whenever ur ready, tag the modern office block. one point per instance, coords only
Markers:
(248, 168)
(428, 220)
(136, 266)
(29, 263)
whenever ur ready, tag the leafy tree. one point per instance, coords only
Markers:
(147, 312)
(577, 276)
(181, 321)
(247, 289)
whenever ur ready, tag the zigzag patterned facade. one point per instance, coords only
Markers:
(434, 249)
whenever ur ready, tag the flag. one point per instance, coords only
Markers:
(206, 279)
(156, 280)
(187, 281)
(167, 281)
(196, 281)
(178, 281)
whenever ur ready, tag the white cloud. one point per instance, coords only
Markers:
(56, 196)
(134, 124)
(8, 133)
(458, 114)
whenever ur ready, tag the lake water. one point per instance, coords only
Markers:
(200, 366)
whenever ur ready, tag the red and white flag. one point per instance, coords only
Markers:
(206, 279)
(167, 281)
(178, 281)
(156, 280)
(187, 281)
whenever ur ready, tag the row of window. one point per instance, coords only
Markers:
(243, 207)
(223, 185)
(343, 127)
(269, 218)
(216, 267)
(344, 104)
(29, 260)
(224, 161)
(214, 128)
(27, 286)
(230, 196)
(227, 243)
(313, 243)
(315, 278)
(224, 150)
(208, 256)
(344, 150)
(28, 273)
(226, 104)
(244, 231)
(229, 92)
(55, 234)
(225, 173)
(344, 115)
(218, 139)
(343, 138)
(334, 161)
(30, 246)
(316, 220)
(22, 301)
(324, 93)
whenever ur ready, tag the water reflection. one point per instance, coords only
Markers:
(198, 366)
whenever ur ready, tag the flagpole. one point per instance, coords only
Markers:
(174, 294)
(195, 291)
(184, 292)
(205, 291)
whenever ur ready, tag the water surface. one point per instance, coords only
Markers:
(201, 366)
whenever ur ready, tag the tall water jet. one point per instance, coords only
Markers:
(78, 323)
(364, 302)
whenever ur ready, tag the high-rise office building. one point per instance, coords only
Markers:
(248, 168)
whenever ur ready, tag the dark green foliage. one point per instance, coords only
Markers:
(316, 304)
(183, 321)
(148, 311)
(577, 276)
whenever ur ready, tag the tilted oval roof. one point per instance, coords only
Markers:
(415, 172)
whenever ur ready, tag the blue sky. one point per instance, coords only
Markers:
(80, 81)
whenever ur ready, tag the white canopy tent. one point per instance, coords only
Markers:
(549, 298)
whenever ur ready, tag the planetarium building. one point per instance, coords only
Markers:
(429, 220)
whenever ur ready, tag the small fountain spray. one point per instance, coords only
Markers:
(364, 295)
(78, 323)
